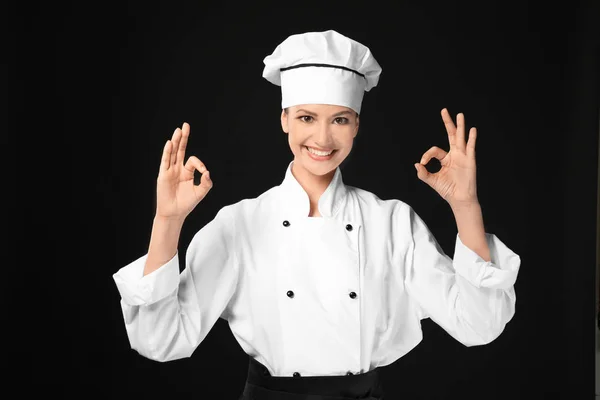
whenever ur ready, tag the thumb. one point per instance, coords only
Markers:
(422, 172)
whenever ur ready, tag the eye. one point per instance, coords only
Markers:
(302, 118)
(341, 120)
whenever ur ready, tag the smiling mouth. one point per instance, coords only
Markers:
(320, 153)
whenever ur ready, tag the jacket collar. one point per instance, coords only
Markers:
(296, 200)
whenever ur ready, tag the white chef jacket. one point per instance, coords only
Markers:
(340, 293)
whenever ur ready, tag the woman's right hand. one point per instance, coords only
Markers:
(176, 194)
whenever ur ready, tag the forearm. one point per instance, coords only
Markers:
(163, 242)
(469, 221)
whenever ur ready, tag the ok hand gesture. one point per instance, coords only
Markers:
(456, 180)
(176, 194)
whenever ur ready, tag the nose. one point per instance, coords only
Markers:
(324, 136)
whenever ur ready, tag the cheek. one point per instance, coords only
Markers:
(347, 141)
(295, 142)
(296, 136)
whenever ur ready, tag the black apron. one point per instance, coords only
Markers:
(260, 385)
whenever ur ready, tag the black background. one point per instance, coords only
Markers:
(95, 90)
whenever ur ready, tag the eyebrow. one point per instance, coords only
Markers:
(314, 114)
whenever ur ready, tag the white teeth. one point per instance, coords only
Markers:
(319, 153)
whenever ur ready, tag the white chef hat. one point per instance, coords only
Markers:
(322, 68)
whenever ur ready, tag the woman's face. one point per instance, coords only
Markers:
(328, 130)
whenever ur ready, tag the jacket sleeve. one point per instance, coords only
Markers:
(469, 298)
(168, 314)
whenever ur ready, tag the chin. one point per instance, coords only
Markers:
(318, 168)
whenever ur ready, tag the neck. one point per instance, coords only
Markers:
(313, 185)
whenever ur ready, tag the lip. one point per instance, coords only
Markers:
(319, 158)
(319, 149)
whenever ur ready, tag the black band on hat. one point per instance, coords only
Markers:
(321, 65)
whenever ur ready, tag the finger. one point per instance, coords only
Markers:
(204, 187)
(450, 128)
(185, 132)
(422, 173)
(433, 152)
(205, 181)
(175, 139)
(166, 157)
(193, 164)
(460, 132)
(471, 142)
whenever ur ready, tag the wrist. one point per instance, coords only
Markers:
(171, 221)
(465, 205)
(163, 242)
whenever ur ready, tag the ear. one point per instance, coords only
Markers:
(284, 121)
(357, 124)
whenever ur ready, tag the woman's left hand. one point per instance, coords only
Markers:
(456, 180)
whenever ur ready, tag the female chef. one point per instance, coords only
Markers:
(321, 283)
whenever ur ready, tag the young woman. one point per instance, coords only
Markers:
(321, 283)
